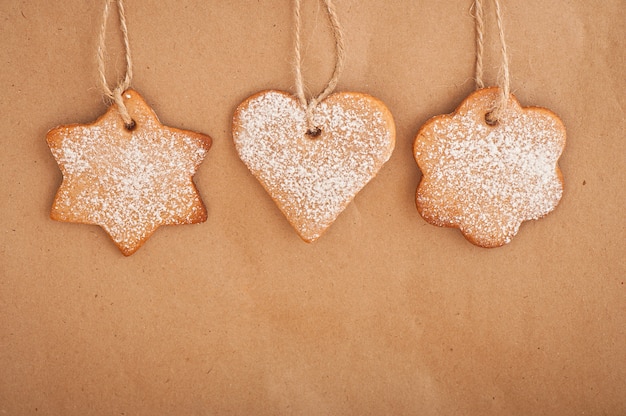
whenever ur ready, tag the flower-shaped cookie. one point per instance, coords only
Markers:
(487, 179)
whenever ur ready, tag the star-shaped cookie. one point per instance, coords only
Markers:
(129, 180)
(486, 179)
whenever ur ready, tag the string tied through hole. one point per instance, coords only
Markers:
(340, 56)
(115, 94)
(504, 79)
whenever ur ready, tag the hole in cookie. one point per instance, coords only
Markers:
(491, 119)
(130, 126)
(314, 132)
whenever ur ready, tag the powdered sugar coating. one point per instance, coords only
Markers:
(486, 180)
(313, 179)
(129, 183)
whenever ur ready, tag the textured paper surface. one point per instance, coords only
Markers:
(385, 314)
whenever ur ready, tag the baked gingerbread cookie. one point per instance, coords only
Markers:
(129, 180)
(487, 178)
(313, 174)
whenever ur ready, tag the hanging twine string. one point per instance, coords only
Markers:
(116, 93)
(504, 78)
(480, 45)
(340, 56)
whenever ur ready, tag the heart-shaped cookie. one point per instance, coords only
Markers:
(313, 176)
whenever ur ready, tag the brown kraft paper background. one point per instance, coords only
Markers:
(385, 314)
